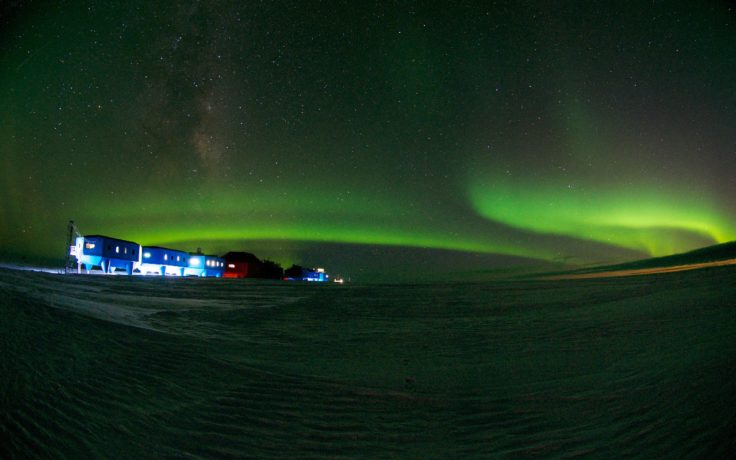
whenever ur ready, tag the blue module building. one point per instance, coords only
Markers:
(298, 273)
(316, 275)
(107, 253)
(205, 265)
(163, 261)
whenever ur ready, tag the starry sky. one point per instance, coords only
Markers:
(335, 132)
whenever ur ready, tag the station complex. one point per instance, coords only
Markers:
(112, 255)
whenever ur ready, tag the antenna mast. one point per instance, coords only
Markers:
(70, 243)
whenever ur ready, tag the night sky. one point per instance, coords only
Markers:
(331, 132)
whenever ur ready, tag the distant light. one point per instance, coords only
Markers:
(146, 255)
(193, 261)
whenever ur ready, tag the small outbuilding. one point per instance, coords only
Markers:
(299, 273)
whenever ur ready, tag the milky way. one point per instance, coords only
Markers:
(586, 131)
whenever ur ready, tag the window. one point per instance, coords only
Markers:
(177, 258)
(125, 250)
(146, 255)
(90, 245)
(166, 257)
(230, 265)
(117, 249)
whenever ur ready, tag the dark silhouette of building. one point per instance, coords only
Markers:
(272, 270)
(295, 272)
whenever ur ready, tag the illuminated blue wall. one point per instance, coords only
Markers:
(316, 275)
(163, 261)
(107, 253)
(204, 265)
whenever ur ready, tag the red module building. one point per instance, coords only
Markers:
(242, 265)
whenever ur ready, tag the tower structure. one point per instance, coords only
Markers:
(72, 234)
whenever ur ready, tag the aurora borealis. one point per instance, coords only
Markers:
(583, 131)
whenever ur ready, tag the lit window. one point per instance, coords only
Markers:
(166, 257)
(230, 265)
(89, 245)
(125, 250)
(146, 255)
(117, 249)
(193, 261)
(177, 258)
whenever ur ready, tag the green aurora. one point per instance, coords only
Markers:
(658, 224)
(588, 132)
